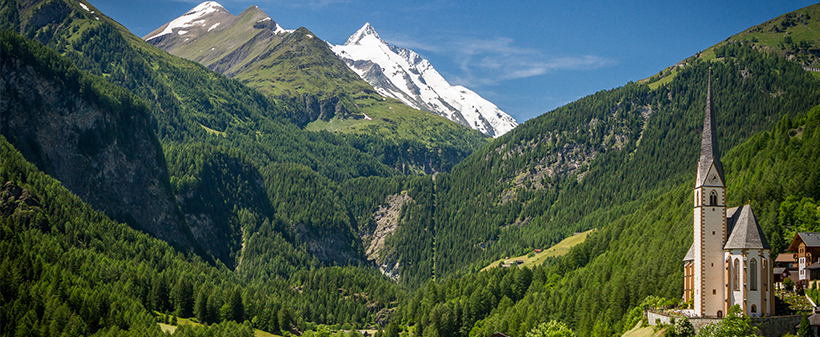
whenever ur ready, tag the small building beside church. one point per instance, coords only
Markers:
(806, 249)
(729, 261)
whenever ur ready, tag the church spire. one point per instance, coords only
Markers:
(709, 153)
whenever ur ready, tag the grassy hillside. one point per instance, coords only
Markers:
(794, 36)
(534, 259)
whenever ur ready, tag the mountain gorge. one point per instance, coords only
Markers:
(290, 195)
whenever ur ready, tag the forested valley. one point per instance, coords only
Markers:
(284, 230)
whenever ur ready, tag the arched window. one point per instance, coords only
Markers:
(754, 308)
(736, 274)
(765, 276)
(713, 198)
(753, 275)
(720, 314)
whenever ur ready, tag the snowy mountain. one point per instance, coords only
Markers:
(403, 74)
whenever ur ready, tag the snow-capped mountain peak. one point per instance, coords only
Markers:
(405, 75)
(366, 32)
(205, 8)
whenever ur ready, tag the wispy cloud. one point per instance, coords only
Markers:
(309, 4)
(486, 62)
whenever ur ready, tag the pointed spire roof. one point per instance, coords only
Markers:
(746, 232)
(709, 153)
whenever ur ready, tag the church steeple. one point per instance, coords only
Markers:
(709, 153)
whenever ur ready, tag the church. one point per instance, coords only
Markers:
(729, 261)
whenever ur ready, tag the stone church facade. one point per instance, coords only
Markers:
(728, 262)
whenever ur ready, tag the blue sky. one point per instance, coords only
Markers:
(527, 57)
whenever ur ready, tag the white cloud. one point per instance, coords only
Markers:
(310, 4)
(483, 62)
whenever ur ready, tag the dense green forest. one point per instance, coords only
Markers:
(285, 214)
(605, 155)
(69, 269)
(596, 284)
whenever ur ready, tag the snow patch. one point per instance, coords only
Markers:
(192, 18)
(263, 20)
(214, 26)
(182, 32)
(84, 6)
(279, 30)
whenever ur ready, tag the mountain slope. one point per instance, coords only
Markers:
(402, 74)
(191, 105)
(94, 137)
(604, 155)
(69, 270)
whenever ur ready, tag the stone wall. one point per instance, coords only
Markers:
(767, 326)
(777, 325)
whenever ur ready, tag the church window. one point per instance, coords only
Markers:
(720, 314)
(753, 275)
(754, 308)
(713, 198)
(736, 274)
(714, 292)
(765, 276)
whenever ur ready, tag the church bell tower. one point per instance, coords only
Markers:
(709, 221)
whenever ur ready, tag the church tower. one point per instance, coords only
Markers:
(709, 221)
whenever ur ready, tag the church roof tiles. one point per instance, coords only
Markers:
(746, 233)
(690, 255)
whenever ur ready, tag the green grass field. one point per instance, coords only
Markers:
(559, 249)
(648, 331)
(184, 321)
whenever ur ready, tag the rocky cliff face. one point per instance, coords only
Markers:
(387, 219)
(109, 158)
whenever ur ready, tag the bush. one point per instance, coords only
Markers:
(684, 328)
(788, 284)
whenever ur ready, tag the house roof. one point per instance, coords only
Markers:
(780, 271)
(785, 258)
(746, 233)
(709, 153)
(814, 266)
(690, 255)
(811, 239)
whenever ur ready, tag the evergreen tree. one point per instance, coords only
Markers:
(551, 329)
(183, 294)
(805, 327)
(201, 305)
